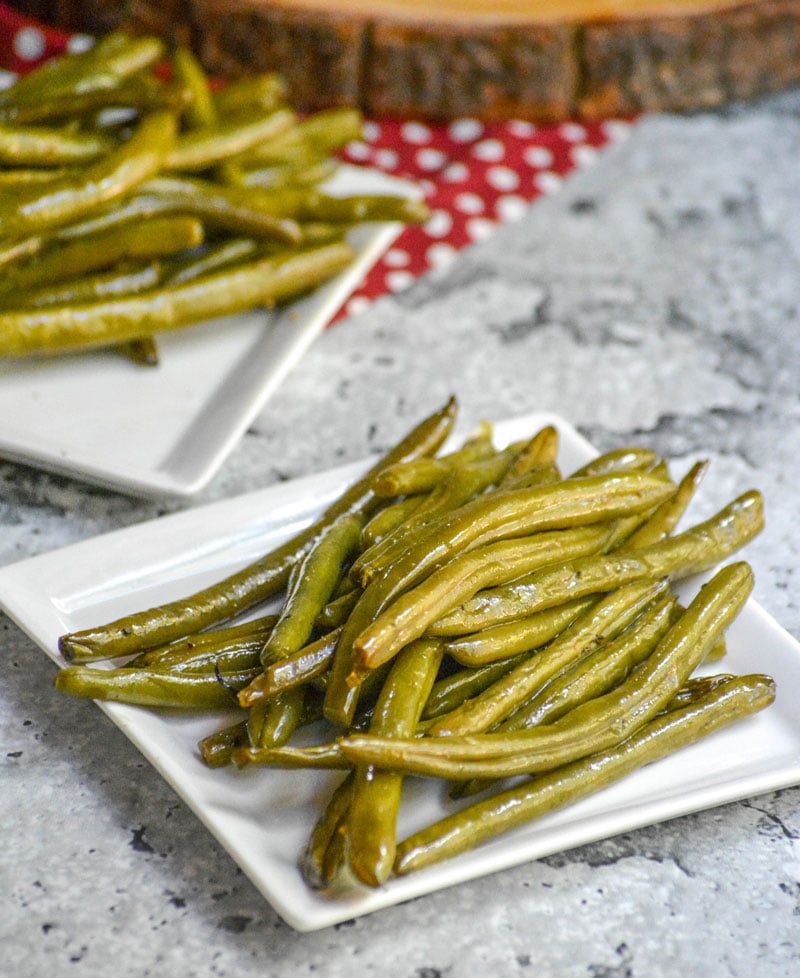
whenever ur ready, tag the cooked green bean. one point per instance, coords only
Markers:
(502, 641)
(632, 459)
(602, 723)
(248, 635)
(268, 281)
(310, 662)
(320, 860)
(223, 255)
(337, 611)
(542, 449)
(388, 519)
(410, 614)
(249, 94)
(454, 689)
(160, 237)
(599, 623)
(371, 819)
(463, 483)
(422, 475)
(117, 173)
(310, 585)
(198, 691)
(258, 580)
(48, 147)
(661, 736)
(320, 134)
(124, 280)
(696, 549)
(142, 351)
(598, 672)
(201, 149)
(666, 517)
(216, 750)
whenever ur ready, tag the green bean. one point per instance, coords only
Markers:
(201, 691)
(522, 635)
(542, 449)
(142, 351)
(631, 459)
(599, 623)
(337, 611)
(309, 662)
(200, 149)
(248, 94)
(158, 238)
(117, 173)
(248, 635)
(388, 519)
(302, 173)
(372, 817)
(45, 147)
(452, 690)
(321, 133)
(230, 208)
(124, 280)
(101, 67)
(598, 672)
(422, 475)
(320, 858)
(594, 726)
(268, 281)
(463, 830)
(665, 518)
(222, 255)
(410, 614)
(258, 580)
(20, 177)
(308, 204)
(216, 750)
(462, 484)
(311, 583)
(696, 549)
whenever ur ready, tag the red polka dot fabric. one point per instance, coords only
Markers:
(475, 176)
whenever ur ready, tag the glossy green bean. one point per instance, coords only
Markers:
(410, 614)
(197, 691)
(319, 862)
(268, 281)
(297, 669)
(200, 149)
(48, 147)
(161, 237)
(223, 255)
(109, 178)
(250, 635)
(542, 449)
(634, 458)
(660, 737)
(595, 726)
(259, 579)
(216, 750)
(666, 517)
(375, 802)
(126, 280)
(697, 549)
(503, 641)
(601, 622)
(598, 672)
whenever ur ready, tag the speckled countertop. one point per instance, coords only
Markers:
(654, 298)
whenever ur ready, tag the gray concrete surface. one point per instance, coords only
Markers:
(654, 298)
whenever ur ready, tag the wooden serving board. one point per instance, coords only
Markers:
(491, 59)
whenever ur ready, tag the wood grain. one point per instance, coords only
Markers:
(492, 59)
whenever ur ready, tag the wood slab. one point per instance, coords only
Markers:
(492, 59)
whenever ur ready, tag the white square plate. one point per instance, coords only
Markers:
(166, 431)
(263, 817)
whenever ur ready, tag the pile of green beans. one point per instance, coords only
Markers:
(132, 205)
(473, 615)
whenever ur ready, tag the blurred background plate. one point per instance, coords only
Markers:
(165, 431)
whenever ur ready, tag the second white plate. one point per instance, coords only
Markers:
(166, 431)
(264, 817)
